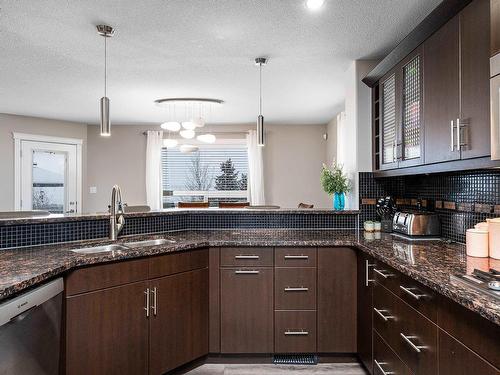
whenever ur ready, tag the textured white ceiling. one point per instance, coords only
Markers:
(51, 58)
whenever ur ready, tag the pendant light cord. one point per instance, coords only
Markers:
(105, 65)
(260, 88)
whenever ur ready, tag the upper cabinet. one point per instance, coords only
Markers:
(401, 114)
(495, 27)
(433, 106)
(456, 80)
(442, 91)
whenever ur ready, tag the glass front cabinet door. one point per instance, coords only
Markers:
(401, 129)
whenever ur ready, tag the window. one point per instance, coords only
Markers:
(213, 173)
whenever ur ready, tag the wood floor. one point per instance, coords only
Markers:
(253, 369)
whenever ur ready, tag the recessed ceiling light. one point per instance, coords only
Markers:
(314, 4)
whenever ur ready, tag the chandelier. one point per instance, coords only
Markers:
(187, 117)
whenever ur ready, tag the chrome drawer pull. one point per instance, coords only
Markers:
(155, 301)
(252, 272)
(381, 314)
(417, 348)
(296, 256)
(367, 266)
(246, 257)
(410, 293)
(381, 273)
(298, 289)
(379, 366)
(146, 292)
(296, 333)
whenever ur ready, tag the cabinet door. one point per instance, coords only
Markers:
(456, 359)
(495, 27)
(410, 150)
(474, 80)
(441, 93)
(336, 300)
(107, 331)
(247, 310)
(365, 306)
(179, 320)
(388, 122)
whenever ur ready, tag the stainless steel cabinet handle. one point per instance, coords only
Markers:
(379, 366)
(246, 257)
(367, 265)
(296, 256)
(299, 289)
(410, 293)
(296, 333)
(381, 314)
(407, 339)
(249, 272)
(458, 135)
(146, 292)
(394, 157)
(155, 301)
(381, 273)
(452, 132)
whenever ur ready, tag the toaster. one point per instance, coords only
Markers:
(416, 223)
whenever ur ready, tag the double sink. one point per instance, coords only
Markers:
(114, 249)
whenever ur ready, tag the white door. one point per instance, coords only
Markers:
(49, 177)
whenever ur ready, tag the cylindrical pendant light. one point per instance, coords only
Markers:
(106, 32)
(260, 120)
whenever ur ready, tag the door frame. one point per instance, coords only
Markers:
(19, 137)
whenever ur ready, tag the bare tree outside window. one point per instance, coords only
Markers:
(198, 176)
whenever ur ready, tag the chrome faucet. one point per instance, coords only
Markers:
(116, 218)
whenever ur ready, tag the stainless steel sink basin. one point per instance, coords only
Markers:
(112, 249)
(157, 242)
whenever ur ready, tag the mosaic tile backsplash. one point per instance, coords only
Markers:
(18, 235)
(461, 199)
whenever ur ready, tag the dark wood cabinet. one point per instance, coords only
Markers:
(444, 116)
(364, 310)
(178, 320)
(401, 130)
(139, 327)
(337, 300)
(442, 93)
(495, 27)
(385, 360)
(107, 331)
(247, 311)
(474, 80)
(295, 332)
(456, 359)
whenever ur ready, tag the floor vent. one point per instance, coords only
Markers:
(295, 359)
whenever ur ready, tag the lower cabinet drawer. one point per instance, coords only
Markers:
(418, 341)
(385, 361)
(456, 359)
(411, 336)
(295, 332)
(295, 288)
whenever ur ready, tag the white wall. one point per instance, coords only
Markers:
(354, 145)
(331, 143)
(293, 157)
(31, 125)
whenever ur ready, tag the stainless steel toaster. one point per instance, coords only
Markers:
(416, 223)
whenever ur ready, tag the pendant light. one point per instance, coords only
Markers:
(260, 61)
(106, 32)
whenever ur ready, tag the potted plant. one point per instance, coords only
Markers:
(335, 183)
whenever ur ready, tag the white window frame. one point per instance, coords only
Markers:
(19, 137)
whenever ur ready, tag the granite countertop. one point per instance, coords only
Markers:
(432, 262)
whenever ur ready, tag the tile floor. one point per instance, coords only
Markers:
(255, 369)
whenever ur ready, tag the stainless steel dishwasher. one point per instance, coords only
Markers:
(30, 331)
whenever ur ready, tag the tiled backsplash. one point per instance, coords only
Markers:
(461, 199)
(17, 235)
